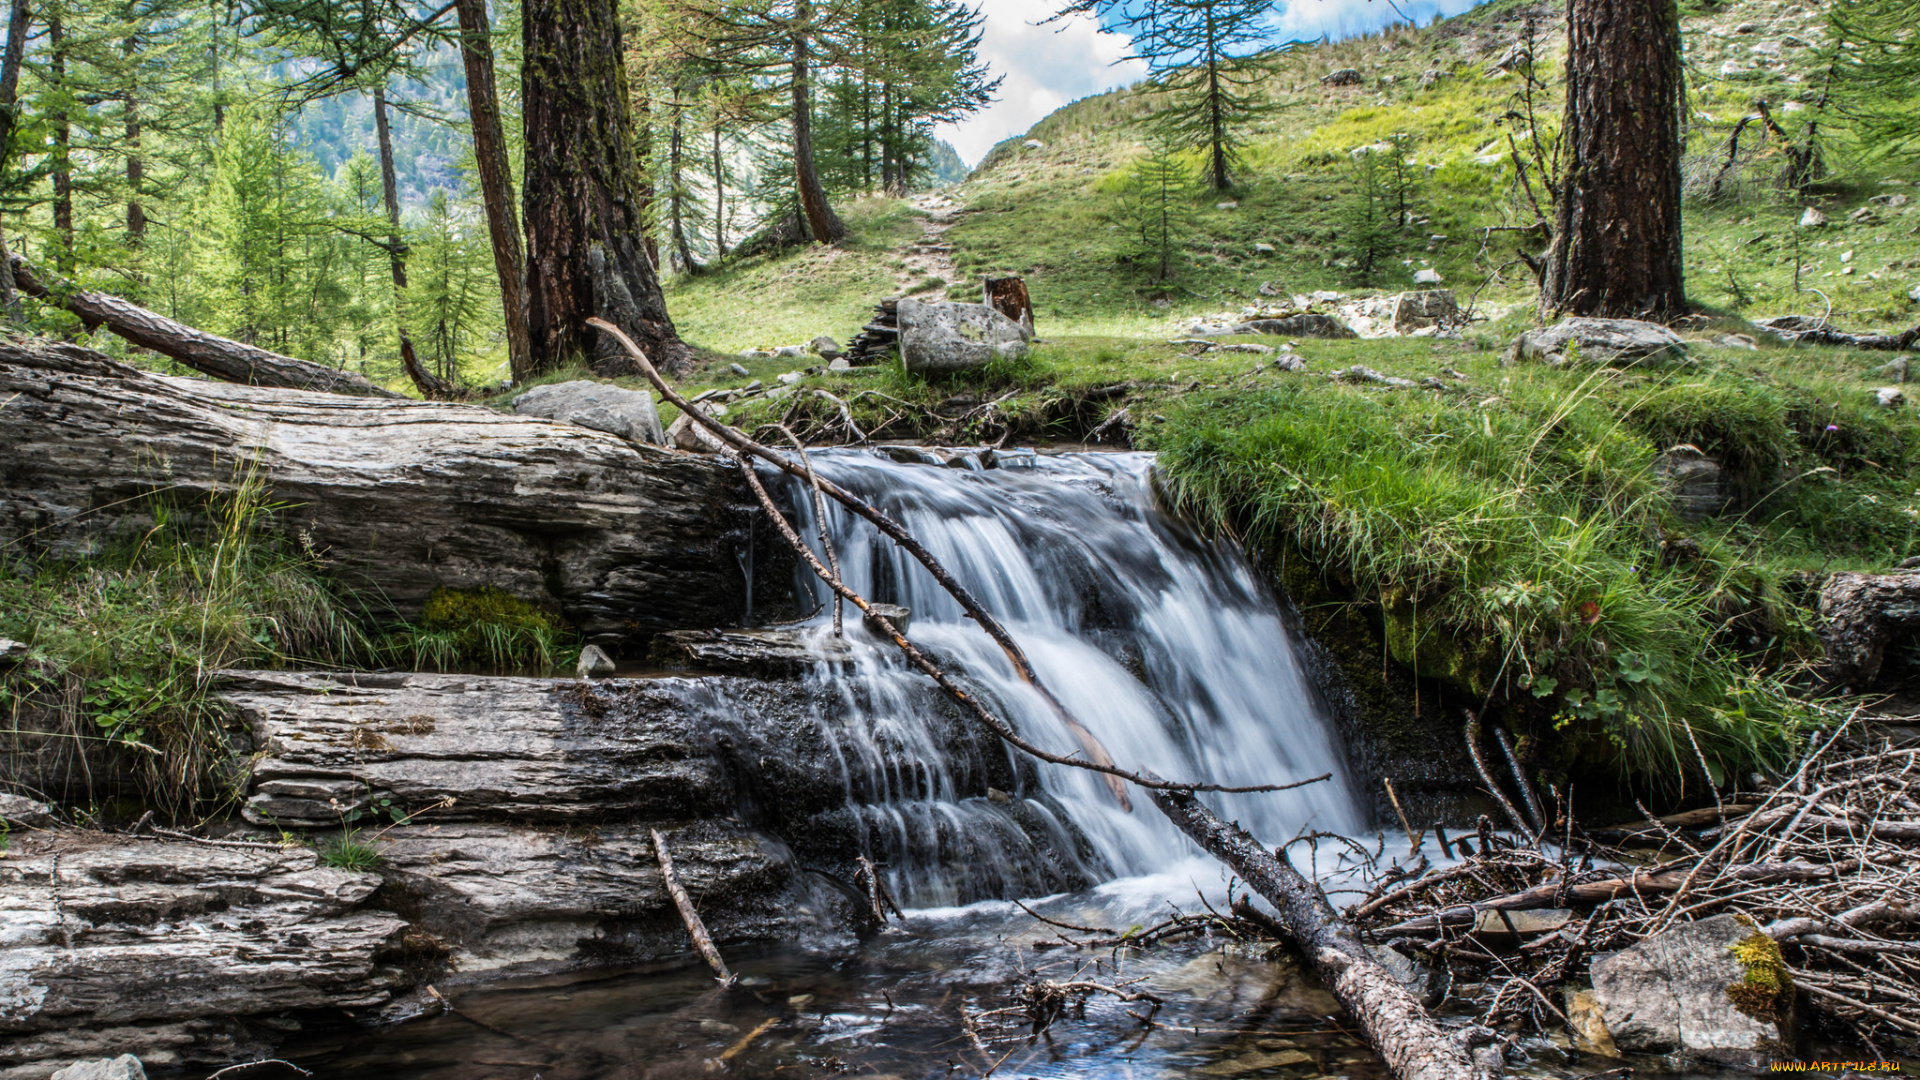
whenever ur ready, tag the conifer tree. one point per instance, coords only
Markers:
(1873, 54)
(1155, 210)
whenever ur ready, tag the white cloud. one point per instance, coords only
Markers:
(1048, 66)
(1045, 67)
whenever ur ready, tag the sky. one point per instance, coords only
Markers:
(1048, 66)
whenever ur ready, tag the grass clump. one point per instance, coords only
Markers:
(350, 853)
(485, 626)
(1515, 542)
(125, 643)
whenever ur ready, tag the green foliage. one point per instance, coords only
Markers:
(1155, 210)
(125, 643)
(1374, 217)
(1528, 522)
(485, 626)
(348, 852)
(451, 288)
(1874, 53)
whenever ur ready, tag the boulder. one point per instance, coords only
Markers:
(1890, 397)
(1694, 990)
(765, 654)
(1426, 276)
(1697, 484)
(839, 363)
(937, 337)
(738, 371)
(1602, 343)
(1812, 218)
(825, 346)
(684, 434)
(594, 663)
(20, 812)
(900, 617)
(124, 1067)
(1415, 310)
(1862, 614)
(1343, 77)
(629, 414)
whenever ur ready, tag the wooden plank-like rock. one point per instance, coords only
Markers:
(399, 498)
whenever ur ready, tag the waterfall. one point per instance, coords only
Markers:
(1168, 646)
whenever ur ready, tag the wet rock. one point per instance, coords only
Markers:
(1588, 1026)
(105, 939)
(900, 617)
(1671, 994)
(767, 654)
(21, 812)
(616, 410)
(1697, 483)
(937, 337)
(1343, 77)
(594, 662)
(1520, 924)
(124, 1067)
(1602, 343)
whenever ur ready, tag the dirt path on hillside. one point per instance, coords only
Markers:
(931, 255)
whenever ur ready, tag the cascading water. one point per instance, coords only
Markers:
(1166, 645)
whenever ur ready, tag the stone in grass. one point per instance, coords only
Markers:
(1602, 343)
(938, 337)
(124, 1067)
(629, 414)
(594, 663)
(22, 812)
(1714, 990)
(825, 346)
(738, 371)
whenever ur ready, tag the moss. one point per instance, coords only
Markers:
(486, 626)
(1468, 663)
(1765, 992)
(465, 609)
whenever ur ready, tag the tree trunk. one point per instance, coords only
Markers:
(1216, 109)
(822, 222)
(61, 160)
(676, 152)
(585, 229)
(1616, 243)
(431, 386)
(719, 199)
(136, 166)
(203, 352)
(496, 181)
(9, 97)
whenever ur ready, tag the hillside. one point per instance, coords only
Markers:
(1046, 211)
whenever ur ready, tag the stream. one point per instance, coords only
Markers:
(1169, 646)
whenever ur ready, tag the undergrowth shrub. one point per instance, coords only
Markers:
(485, 626)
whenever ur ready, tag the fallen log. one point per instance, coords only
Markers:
(1801, 330)
(696, 929)
(209, 354)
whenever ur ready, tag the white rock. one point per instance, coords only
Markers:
(1264, 249)
(616, 410)
(594, 663)
(1812, 218)
(1034, 144)
(124, 1067)
(1890, 397)
(839, 363)
(1602, 343)
(1426, 277)
(1228, 205)
(790, 352)
(938, 337)
(788, 378)
(1913, 294)
(1846, 256)
(739, 371)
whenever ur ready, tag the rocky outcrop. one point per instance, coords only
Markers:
(939, 337)
(111, 945)
(399, 498)
(774, 654)
(1690, 990)
(615, 410)
(1861, 614)
(1602, 343)
(1697, 484)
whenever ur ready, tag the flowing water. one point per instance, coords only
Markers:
(1167, 645)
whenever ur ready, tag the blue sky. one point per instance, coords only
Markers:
(1048, 66)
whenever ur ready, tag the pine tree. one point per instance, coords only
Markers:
(1155, 211)
(1208, 58)
(1873, 52)
(449, 290)
(1369, 219)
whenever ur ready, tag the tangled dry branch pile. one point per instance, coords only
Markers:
(1826, 864)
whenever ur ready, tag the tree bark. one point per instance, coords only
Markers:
(586, 253)
(496, 181)
(219, 357)
(676, 153)
(9, 96)
(719, 200)
(136, 166)
(1616, 243)
(431, 386)
(61, 160)
(822, 222)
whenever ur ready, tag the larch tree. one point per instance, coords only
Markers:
(586, 253)
(1615, 249)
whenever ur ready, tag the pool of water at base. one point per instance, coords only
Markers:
(917, 1003)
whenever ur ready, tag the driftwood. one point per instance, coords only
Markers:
(696, 929)
(209, 354)
(1413, 1044)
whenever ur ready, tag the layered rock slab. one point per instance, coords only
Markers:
(398, 497)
